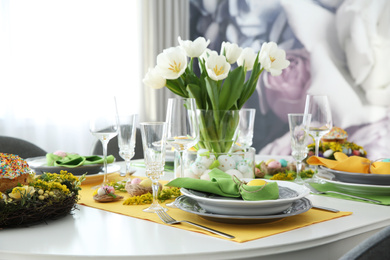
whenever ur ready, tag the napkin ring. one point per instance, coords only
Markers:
(241, 185)
(377, 160)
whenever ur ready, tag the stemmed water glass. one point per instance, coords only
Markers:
(245, 127)
(126, 138)
(154, 136)
(182, 127)
(321, 118)
(103, 126)
(298, 124)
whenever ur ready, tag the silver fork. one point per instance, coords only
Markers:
(170, 221)
(315, 191)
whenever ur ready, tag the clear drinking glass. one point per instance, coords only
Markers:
(245, 127)
(298, 124)
(103, 126)
(182, 127)
(154, 136)
(321, 118)
(127, 129)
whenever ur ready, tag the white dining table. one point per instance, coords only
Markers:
(90, 233)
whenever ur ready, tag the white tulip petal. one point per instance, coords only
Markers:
(172, 62)
(217, 67)
(231, 51)
(194, 48)
(273, 59)
(154, 79)
(247, 58)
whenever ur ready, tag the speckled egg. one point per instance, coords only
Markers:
(244, 167)
(190, 174)
(205, 158)
(205, 175)
(197, 168)
(237, 158)
(226, 163)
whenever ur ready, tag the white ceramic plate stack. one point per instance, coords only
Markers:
(361, 183)
(291, 202)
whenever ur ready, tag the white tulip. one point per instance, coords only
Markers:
(172, 62)
(231, 51)
(247, 58)
(217, 67)
(154, 79)
(273, 59)
(194, 48)
(207, 53)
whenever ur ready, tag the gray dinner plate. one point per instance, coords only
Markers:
(38, 164)
(359, 178)
(190, 205)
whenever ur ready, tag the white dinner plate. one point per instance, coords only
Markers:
(355, 188)
(190, 205)
(359, 178)
(288, 193)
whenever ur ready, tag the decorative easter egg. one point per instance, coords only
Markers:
(205, 175)
(274, 165)
(234, 172)
(328, 153)
(283, 162)
(245, 169)
(356, 152)
(226, 163)
(146, 183)
(190, 174)
(136, 181)
(197, 168)
(256, 182)
(269, 161)
(237, 158)
(205, 157)
(101, 191)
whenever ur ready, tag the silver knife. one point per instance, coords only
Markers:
(326, 208)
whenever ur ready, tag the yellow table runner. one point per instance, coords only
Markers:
(242, 232)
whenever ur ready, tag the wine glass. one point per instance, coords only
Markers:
(126, 139)
(245, 126)
(103, 126)
(298, 124)
(154, 136)
(182, 128)
(321, 118)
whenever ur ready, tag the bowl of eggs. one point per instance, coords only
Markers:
(197, 164)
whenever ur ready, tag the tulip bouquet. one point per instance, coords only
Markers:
(219, 88)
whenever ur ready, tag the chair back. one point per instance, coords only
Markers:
(20, 147)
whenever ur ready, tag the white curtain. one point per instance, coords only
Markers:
(163, 21)
(57, 57)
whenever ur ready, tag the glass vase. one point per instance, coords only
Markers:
(218, 129)
(197, 164)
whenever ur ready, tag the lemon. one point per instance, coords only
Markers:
(256, 182)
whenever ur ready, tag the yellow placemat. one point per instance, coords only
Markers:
(242, 232)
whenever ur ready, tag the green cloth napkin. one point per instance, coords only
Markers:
(385, 199)
(222, 184)
(75, 160)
